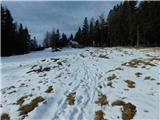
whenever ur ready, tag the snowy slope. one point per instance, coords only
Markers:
(85, 74)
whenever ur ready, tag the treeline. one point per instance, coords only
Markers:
(127, 24)
(56, 40)
(15, 39)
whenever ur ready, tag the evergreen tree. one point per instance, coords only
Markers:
(85, 30)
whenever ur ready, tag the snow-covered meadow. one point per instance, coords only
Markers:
(82, 84)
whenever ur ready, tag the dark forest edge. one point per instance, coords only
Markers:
(15, 39)
(129, 23)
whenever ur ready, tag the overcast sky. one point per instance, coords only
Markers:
(43, 16)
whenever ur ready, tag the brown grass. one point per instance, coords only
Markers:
(12, 92)
(11, 87)
(112, 77)
(130, 83)
(110, 84)
(49, 90)
(138, 74)
(118, 103)
(99, 115)
(71, 98)
(82, 55)
(102, 100)
(148, 78)
(103, 56)
(135, 63)
(5, 116)
(21, 100)
(128, 111)
(25, 109)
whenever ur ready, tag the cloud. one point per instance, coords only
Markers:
(42, 16)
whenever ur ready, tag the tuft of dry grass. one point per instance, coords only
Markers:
(99, 115)
(135, 63)
(130, 83)
(102, 100)
(71, 98)
(103, 56)
(49, 90)
(11, 87)
(129, 111)
(138, 74)
(112, 77)
(21, 100)
(82, 55)
(25, 109)
(5, 116)
(110, 84)
(118, 103)
(148, 78)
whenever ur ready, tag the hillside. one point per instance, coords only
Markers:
(82, 84)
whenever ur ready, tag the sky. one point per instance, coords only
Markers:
(67, 16)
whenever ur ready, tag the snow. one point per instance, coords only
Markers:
(81, 71)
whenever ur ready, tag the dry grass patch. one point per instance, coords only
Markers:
(82, 55)
(135, 63)
(112, 77)
(25, 109)
(129, 110)
(102, 100)
(138, 74)
(99, 115)
(148, 78)
(11, 87)
(71, 98)
(12, 92)
(130, 83)
(118, 103)
(110, 84)
(103, 56)
(21, 100)
(49, 90)
(5, 116)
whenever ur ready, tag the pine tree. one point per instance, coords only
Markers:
(85, 30)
